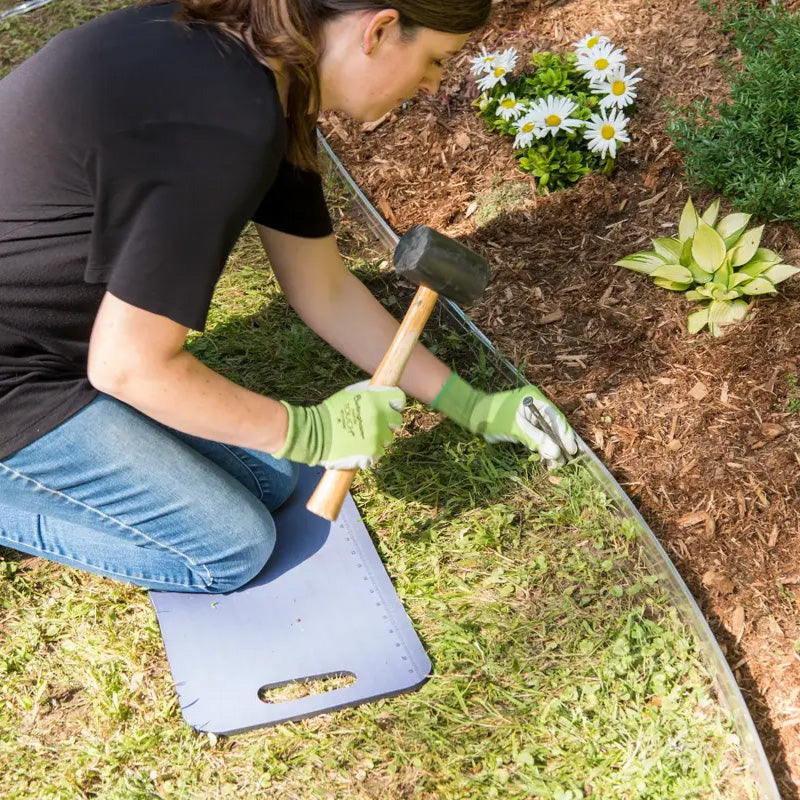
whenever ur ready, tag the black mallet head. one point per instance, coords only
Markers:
(426, 257)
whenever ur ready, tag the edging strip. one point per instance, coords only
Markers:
(724, 681)
(23, 8)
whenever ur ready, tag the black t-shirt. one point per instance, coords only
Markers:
(133, 150)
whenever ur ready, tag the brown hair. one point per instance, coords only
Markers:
(290, 31)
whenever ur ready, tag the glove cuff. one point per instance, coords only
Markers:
(457, 400)
(304, 435)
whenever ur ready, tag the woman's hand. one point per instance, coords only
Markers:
(350, 429)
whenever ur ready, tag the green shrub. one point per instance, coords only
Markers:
(748, 146)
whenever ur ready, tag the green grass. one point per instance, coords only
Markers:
(747, 146)
(793, 382)
(560, 669)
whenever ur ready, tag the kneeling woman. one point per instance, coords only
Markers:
(133, 150)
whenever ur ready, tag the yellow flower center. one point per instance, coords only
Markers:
(593, 41)
(553, 120)
(618, 88)
(528, 127)
(499, 71)
(607, 131)
(601, 63)
(509, 103)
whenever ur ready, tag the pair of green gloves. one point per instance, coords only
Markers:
(353, 427)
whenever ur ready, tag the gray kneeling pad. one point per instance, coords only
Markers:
(323, 606)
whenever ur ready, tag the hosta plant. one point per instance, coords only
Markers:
(718, 262)
(567, 115)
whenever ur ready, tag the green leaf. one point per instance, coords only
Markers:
(710, 214)
(669, 249)
(722, 275)
(759, 285)
(765, 254)
(673, 286)
(746, 247)
(705, 292)
(708, 249)
(754, 268)
(643, 263)
(739, 277)
(697, 321)
(780, 272)
(686, 253)
(672, 272)
(688, 224)
(699, 275)
(730, 228)
(725, 312)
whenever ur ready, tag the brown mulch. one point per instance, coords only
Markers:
(697, 430)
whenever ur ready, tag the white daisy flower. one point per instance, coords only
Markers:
(619, 89)
(491, 79)
(508, 58)
(509, 107)
(552, 115)
(590, 41)
(598, 62)
(526, 129)
(604, 130)
(484, 62)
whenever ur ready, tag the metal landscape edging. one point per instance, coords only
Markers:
(23, 8)
(724, 682)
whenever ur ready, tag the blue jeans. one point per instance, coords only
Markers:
(116, 493)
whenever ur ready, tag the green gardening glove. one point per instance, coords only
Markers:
(521, 415)
(350, 429)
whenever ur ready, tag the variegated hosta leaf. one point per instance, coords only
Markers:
(686, 253)
(669, 249)
(765, 254)
(739, 277)
(674, 286)
(705, 292)
(697, 320)
(722, 276)
(700, 275)
(720, 293)
(725, 312)
(754, 268)
(746, 247)
(708, 249)
(709, 216)
(780, 272)
(643, 263)
(673, 272)
(689, 219)
(759, 285)
(731, 227)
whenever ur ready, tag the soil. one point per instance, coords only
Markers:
(700, 432)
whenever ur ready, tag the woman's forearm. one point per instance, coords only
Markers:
(186, 395)
(360, 328)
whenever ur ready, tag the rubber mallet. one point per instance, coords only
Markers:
(438, 265)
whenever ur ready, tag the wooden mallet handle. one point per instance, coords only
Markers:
(329, 495)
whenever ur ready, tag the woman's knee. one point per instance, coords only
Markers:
(241, 540)
(285, 481)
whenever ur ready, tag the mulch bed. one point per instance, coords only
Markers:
(697, 430)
